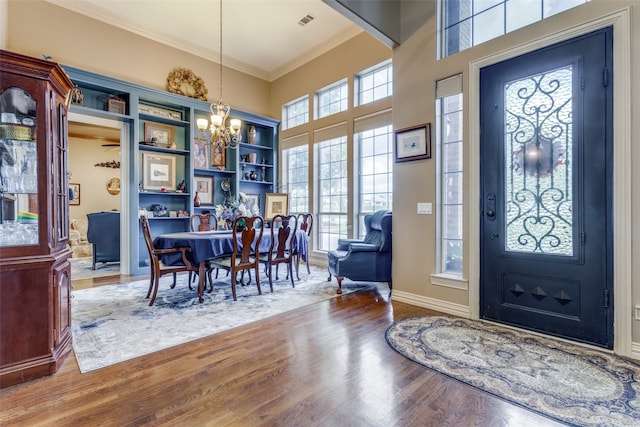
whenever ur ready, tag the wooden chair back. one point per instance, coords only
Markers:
(305, 222)
(204, 222)
(281, 248)
(248, 230)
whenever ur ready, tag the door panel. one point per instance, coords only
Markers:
(546, 248)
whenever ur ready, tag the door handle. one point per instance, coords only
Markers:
(490, 207)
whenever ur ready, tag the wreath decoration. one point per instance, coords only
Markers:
(184, 82)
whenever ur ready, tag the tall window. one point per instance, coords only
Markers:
(374, 83)
(467, 23)
(332, 190)
(332, 99)
(449, 131)
(375, 159)
(296, 164)
(295, 113)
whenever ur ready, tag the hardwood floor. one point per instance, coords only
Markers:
(326, 364)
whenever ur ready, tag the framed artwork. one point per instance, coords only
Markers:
(413, 143)
(75, 193)
(218, 156)
(252, 202)
(276, 204)
(158, 172)
(199, 153)
(162, 135)
(204, 187)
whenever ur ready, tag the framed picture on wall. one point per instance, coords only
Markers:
(204, 187)
(218, 156)
(74, 200)
(199, 153)
(276, 204)
(158, 171)
(413, 143)
(161, 135)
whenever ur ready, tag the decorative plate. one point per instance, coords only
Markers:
(113, 186)
(225, 185)
(184, 82)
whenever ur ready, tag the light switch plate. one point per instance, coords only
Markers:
(424, 209)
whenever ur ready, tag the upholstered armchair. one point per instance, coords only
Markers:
(367, 260)
(104, 234)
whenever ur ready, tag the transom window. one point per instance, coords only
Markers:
(374, 83)
(467, 23)
(332, 99)
(295, 113)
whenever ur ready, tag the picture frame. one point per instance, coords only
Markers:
(413, 143)
(218, 156)
(199, 153)
(158, 172)
(276, 204)
(204, 186)
(251, 200)
(75, 191)
(162, 135)
(152, 110)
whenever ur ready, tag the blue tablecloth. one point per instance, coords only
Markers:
(210, 244)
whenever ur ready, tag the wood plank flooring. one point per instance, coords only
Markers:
(326, 364)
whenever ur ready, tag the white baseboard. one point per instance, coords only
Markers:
(635, 350)
(431, 303)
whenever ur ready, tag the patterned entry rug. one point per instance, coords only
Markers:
(114, 323)
(566, 382)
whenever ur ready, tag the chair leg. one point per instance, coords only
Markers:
(329, 279)
(290, 269)
(173, 285)
(233, 286)
(257, 278)
(308, 270)
(151, 279)
(298, 266)
(156, 283)
(270, 276)
(339, 290)
(191, 275)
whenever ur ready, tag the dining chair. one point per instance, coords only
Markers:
(247, 234)
(155, 260)
(281, 247)
(204, 222)
(305, 223)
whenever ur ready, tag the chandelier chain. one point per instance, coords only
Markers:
(221, 50)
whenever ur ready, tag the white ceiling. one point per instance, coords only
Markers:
(260, 37)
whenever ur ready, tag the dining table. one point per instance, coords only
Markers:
(206, 245)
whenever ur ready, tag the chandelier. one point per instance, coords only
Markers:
(222, 135)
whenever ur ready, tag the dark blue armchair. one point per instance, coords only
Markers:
(367, 260)
(104, 234)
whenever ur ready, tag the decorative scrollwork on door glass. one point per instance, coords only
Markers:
(538, 175)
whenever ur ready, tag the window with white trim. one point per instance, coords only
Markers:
(295, 163)
(332, 99)
(374, 83)
(332, 191)
(467, 23)
(295, 113)
(375, 171)
(449, 154)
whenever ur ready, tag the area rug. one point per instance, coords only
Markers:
(81, 268)
(566, 382)
(114, 323)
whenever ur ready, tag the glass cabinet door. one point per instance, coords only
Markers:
(18, 169)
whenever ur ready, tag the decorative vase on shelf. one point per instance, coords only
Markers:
(196, 200)
(253, 176)
(252, 134)
(263, 174)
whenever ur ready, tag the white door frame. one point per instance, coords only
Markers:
(123, 127)
(622, 286)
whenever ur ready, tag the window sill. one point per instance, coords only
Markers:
(450, 281)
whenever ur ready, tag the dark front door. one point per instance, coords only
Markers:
(546, 181)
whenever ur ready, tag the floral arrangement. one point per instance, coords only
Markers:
(232, 208)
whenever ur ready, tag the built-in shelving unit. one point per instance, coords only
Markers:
(171, 119)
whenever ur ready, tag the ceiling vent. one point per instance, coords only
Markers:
(305, 20)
